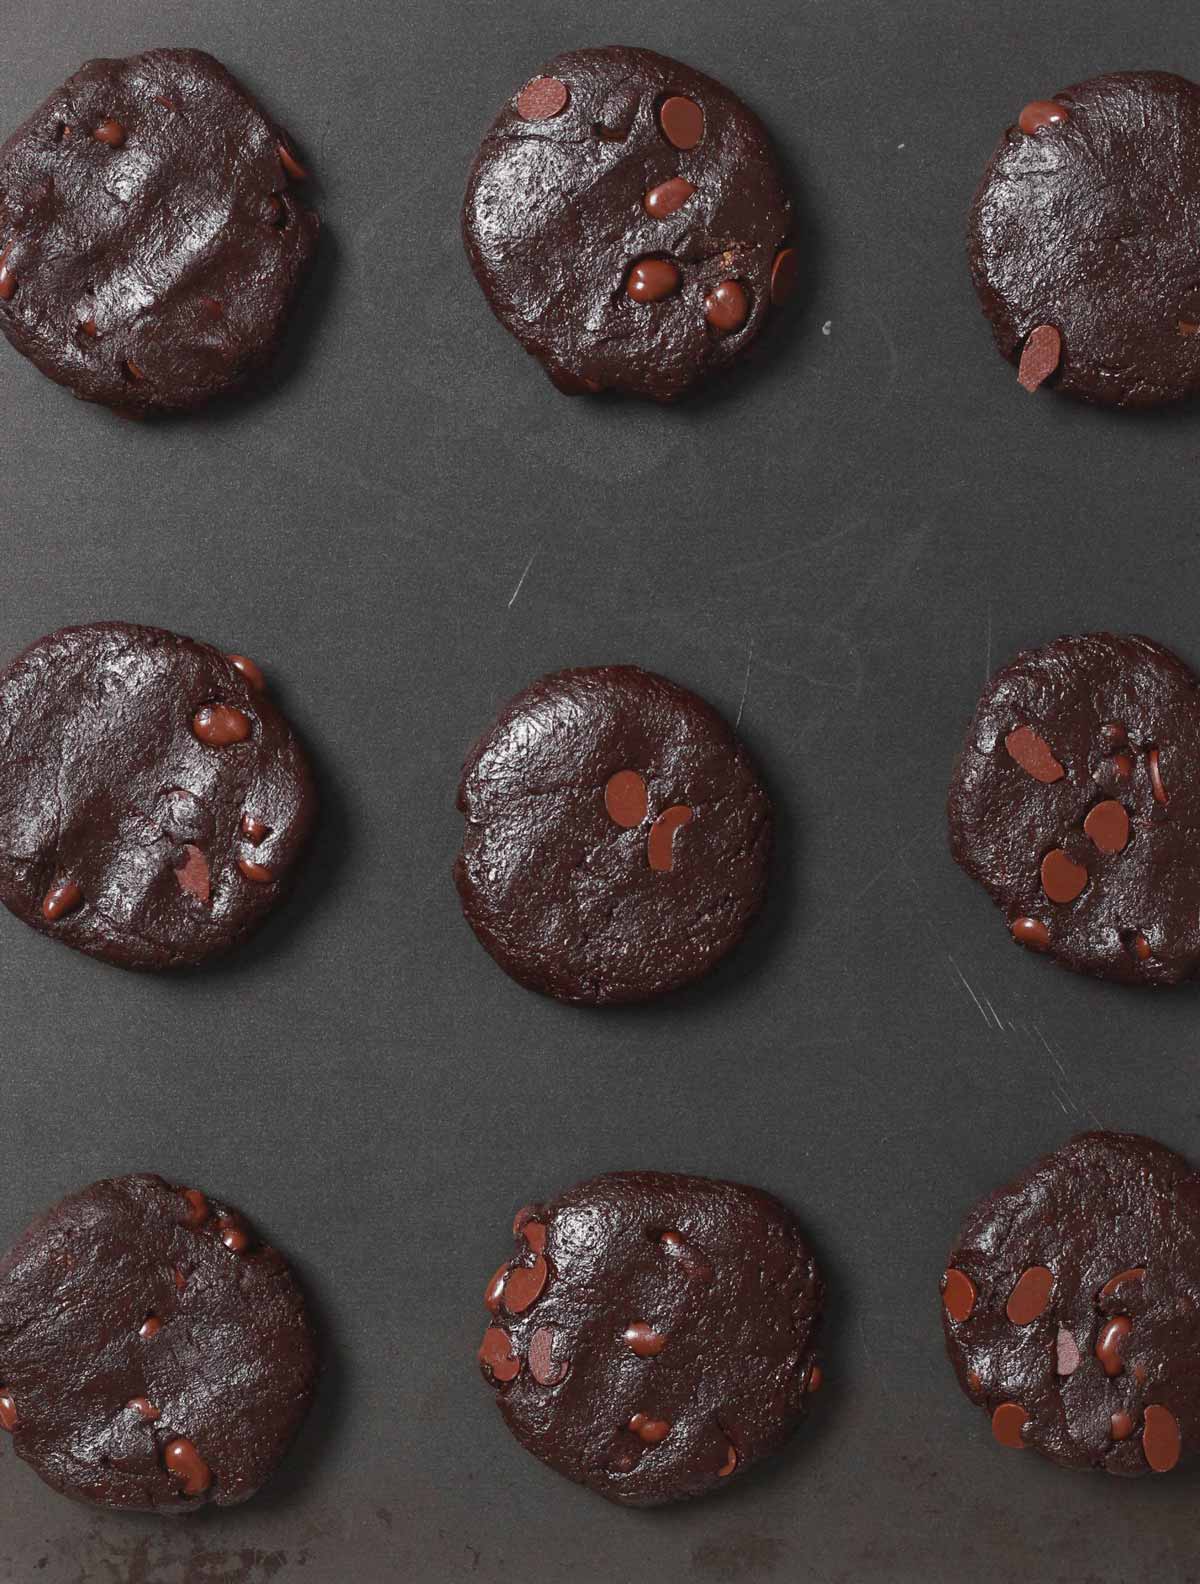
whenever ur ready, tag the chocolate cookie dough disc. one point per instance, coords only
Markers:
(152, 798)
(652, 1335)
(627, 220)
(617, 837)
(151, 244)
(1082, 240)
(1076, 803)
(1072, 1306)
(154, 1355)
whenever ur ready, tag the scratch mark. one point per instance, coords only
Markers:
(995, 1014)
(968, 989)
(745, 685)
(521, 580)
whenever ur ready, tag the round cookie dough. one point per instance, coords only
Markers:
(1072, 1306)
(617, 837)
(652, 1335)
(150, 243)
(1081, 240)
(152, 798)
(627, 220)
(1076, 803)
(154, 1355)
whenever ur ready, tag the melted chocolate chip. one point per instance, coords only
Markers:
(1008, 1421)
(1121, 1425)
(785, 274)
(234, 1236)
(1033, 754)
(8, 281)
(667, 197)
(1140, 947)
(1030, 1296)
(186, 1464)
(258, 873)
(1062, 878)
(291, 164)
(542, 99)
(730, 1462)
(682, 121)
(625, 798)
(1107, 824)
(8, 1412)
(727, 306)
(1156, 784)
(1030, 932)
(661, 843)
(816, 1379)
(1039, 114)
(60, 900)
(254, 830)
(197, 1207)
(218, 725)
(1161, 1440)
(534, 1233)
(1110, 1343)
(652, 1431)
(652, 279)
(110, 132)
(494, 1291)
(193, 874)
(1040, 357)
(687, 1256)
(1114, 1284)
(144, 1408)
(497, 1356)
(150, 1327)
(242, 663)
(645, 1341)
(543, 1366)
(958, 1294)
(525, 1285)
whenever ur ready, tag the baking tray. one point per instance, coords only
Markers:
(407, 526)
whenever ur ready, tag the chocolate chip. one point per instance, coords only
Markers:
(542, 1364)
(652, 279)
(8, 281)
(1033, 754)
(534, 1233)
(186, 1464)
(254, 830)
(727, 307)
(661, 842)
(1161, 1441)
(258, 873)
(150, 1327)
(625, 798)
(497, 1356)
(1066, 1353)
(494, 1291)
(1140, 947)
(197, 1207)
(682, 121)
(8, 1411)
(1008, 1421)
(652, 1431)
(785, 273)
(1062, 878)
(234, 1236)
(1040, 357)
(1030, 932)
(218, 725)
(1123, 765)
(1110, 1343)
(542, 99)
(87, 327)
(816, 1379)
(291, 164)
(193, 875)
(243, 663)
(144, 1408)
(687, 1256)
(958, 1294)
(61, 899)
(1030, 1296)
(1107, 825)
(525, 1285)
(1041, 113)
(730, 1462)
(645, 1341)
(1115, 1283)
(1160, 792)
(134, 371)
(667, 197)
(1121, 1425)
(110, 132)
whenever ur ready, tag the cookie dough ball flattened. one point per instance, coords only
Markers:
(617, 837)
(1072, 1306)
(652, 1335)
(1082, 240)
(1076, 804)
(627, 221)
(154, 1355)
(150, 243)
(152, 798)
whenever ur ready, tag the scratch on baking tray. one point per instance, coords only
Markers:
(521, 580)
(745, 685)
(971, 993)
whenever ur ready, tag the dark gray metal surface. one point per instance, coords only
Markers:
(408, 527)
